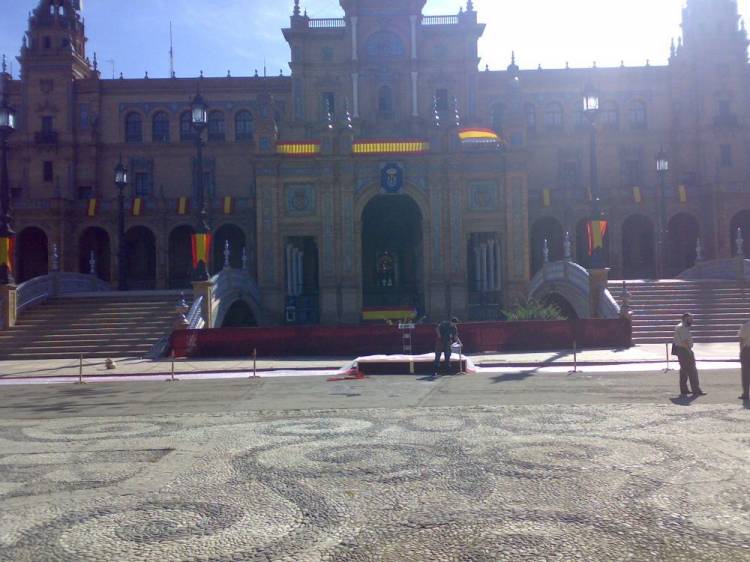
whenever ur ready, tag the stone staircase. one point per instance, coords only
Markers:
(719, 307)
(96, 325)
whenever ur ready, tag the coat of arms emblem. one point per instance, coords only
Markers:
(392, 178)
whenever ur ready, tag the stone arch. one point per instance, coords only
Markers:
(741, 220)
(180, 257)
(683, 230)
(233, 234)
(95, 239)
(32, 254)
(140, 244)
(239, 315)
(638, 248)
(558, 300)
(551, 229)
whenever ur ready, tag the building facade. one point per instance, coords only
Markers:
(369, 181)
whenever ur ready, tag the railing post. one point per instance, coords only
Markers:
(205, 289)
(9, 303)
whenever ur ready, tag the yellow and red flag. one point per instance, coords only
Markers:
(682, 192)
(92, 207)
(201, 248)
(547, 197)
(183, 206)
(475, 134)
(637, 195)
(597, 230)
(228, 205)
(7, 245)
(298, 148)
(137, 206)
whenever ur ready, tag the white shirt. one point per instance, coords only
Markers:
(682, 336)
(744, 336)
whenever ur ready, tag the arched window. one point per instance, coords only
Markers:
(133, 127)
(216, 129)
(385, 99)
(610, 115)
(530, 117)
(553, 117)
(384, 44)
(497, 116)
(187, 133)
(637, 115)
(243, 126)
(160, 127)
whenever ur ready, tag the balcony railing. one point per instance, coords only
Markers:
(326, 23)
(46, 137)
(440, 20)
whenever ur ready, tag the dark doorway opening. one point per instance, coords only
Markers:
(141, 247)
(236, 238)
(551, 230)
(240, 315)
(32, 257)
(95, 241)
(180, 257)
(683, 233)
(638, 248)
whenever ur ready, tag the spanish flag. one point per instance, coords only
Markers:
(137, 206)
(637, 196)
(478, 135)
(546, 197)
(228, 205)
(92, 207)
(201, 246)
(183, 206)
(597, 230)
(7, 245)
(682, 192)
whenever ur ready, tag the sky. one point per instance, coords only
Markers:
(238, 35)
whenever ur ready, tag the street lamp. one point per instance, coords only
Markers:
(7, 236)
(597, 226)
(201, 239)
(662, 169)
(121, 180)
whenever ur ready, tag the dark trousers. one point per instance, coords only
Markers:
(745, 360)
(443, 348)
(688, 371)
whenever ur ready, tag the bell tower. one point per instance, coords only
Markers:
(712, 29)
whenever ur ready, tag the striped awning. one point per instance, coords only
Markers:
(395, 146)
(298, 148)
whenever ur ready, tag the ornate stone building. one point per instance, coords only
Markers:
(369, 180)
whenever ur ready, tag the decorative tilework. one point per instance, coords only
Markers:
(482, 196)
(300, 200)
(455, 223)
(328, 234)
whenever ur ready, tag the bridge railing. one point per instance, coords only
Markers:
(39, 289)
(728, 269)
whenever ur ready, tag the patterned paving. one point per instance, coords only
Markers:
(457, 484)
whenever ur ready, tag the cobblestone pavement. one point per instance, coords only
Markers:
(590, 482)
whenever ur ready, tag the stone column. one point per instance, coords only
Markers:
(270, 250)
(597, 284)
(205, 289)
(516, 282)
(8, 300)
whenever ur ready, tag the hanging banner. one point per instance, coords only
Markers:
(92, 207)
(597, 230)
(637, 196)
(546, 197)
(201, 248)
(682, 191)
(228, 205)
(137, 206)
(6, 252)
(183, 206)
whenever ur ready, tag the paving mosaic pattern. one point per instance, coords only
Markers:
(458, 484)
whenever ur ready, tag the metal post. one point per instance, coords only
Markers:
(666, 345)
(172, 377)
(6, 231)
(255, 363)
(80, 369)
(122, 259)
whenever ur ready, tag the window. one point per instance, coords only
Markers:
(48, 124)
(632, 172)
(216, 128)
(385, 99)
(638, 116)
(85, 192)
(553, 117)
(610, 116)
(187, 133)
(530, 117)
(142, 184)
(133, 127)
(160, 127)
(329, 103)
(441, 99)
(49, 171)
(497, 117)
(243, 126)
(726, 155)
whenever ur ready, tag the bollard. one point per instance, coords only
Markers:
(666, 346)
(80, 369)
(255, 363)
(172, 378)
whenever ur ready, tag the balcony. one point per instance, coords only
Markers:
(46, 137)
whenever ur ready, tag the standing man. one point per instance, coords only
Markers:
(683, 348)
(447, 335)
(745, 359)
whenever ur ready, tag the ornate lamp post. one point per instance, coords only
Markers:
(121, 180)
(7, 236)
(597, 227)
(662, 168)
(201, 240)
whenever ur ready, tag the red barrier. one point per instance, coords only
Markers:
(357, 341)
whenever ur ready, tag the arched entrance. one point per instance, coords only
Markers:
(549, 229)
(32, 257)
(638, 248)
(95, 239)
(683, 233)
(583, 258)
(236, 238)
(180, 257)
(239, 315)
(392, 252)
(740, 220)
(566, 309)
(141, 248)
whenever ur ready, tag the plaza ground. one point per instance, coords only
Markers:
(521, 464)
